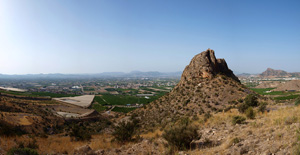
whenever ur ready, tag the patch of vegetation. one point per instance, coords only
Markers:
(207, 116)
(98, 107)
(181, 135)
(262, 107)
(250, 101)
(88, 89)
(286, 97)
(297, 102)
(263, 91)
(250, 113)
(238, 120)
(110, 89)
(22, 151)
(125, 131)
(7, 129)
(297, 147)
(235, 140)
(80, 133)
(124, 110)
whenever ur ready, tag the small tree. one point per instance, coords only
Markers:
(238, 120)
(242, 107)
(124, 131)
(181, 135)
(251, 100)
(250, 113)
(80, 133)
(262, 107)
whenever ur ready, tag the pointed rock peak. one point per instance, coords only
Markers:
(205, 65)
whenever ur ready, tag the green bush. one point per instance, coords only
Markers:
(250, 113)
(242, 107)
(22, 151)
(80, 133)
(297, 102)
(251, 100)
(181, 135)
(238, 120)
(124, 131)
(262, 107)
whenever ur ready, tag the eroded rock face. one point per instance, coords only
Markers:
(205, 65)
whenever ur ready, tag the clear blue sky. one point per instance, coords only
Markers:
(93, 36)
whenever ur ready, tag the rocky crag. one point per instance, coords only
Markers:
(206, 85)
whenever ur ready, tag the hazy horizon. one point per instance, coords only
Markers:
(88, 37)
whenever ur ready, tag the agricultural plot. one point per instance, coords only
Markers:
(123, 99)
(37, 94)
(276, 95)
(123, 110)
(82, 101)
(263, 91)
(289, 97)
(98, 107)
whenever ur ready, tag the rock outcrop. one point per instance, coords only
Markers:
(206, 85)
(205, 65)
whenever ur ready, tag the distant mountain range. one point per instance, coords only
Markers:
(133, 74)
(272, 73)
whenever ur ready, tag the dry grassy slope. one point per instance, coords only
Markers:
(269, 84)
(275, 132)
(207, 84)
(28, 114)
(290, 85)
(210, 95)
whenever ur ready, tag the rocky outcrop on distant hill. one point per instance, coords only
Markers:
(274, 73)
(271, 73)
(206, 85)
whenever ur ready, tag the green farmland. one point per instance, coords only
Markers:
(124, 110)
(262, 91)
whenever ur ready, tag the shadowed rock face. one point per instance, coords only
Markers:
(205, 65)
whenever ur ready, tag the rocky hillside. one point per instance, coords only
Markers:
(269, 84)
(274, 73)
(290, 85)
(206, 85)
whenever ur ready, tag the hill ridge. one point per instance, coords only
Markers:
(206, 85)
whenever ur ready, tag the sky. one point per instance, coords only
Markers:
(94, 36)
